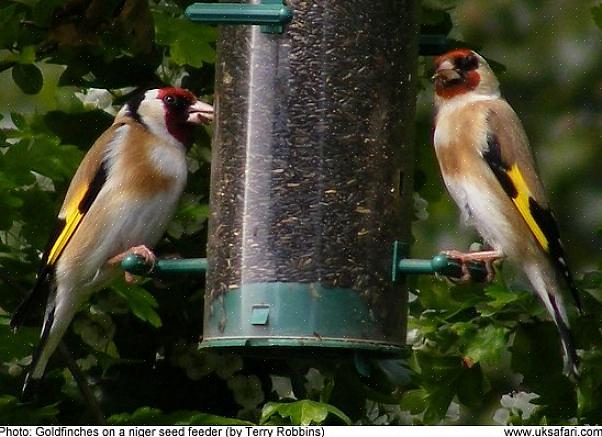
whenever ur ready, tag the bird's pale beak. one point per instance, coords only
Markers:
(200, 113)
(446, 75)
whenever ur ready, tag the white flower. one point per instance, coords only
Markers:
(516, 404)
(315, 381)
(282, 386)
(453, 412)
(414, 337)
(97, 98)
(501, 416)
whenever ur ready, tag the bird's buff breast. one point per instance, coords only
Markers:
(131, 221)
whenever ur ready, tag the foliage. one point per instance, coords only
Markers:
(305, 412)
(152, 416)
(480, 354)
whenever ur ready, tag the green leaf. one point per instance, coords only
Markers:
(589, 395)
(487, 344)
(439, 375)
(44, 155)
(591, 283)
(445, 302)
(534, 344)
(591, 280)
(18, 120)
(186, 52)
(537, 355)
(28, 77)
(189, 43)
(80, 128)
(44, 10)
(500, 296)
(597, 15)
(471, 387)
(15, 344)
(14, 412)
(140, 301)
(9, 25)
(28, 55)
(154, 416)
(414, 401)
(301, 413)
(438, 400)
(193, 211)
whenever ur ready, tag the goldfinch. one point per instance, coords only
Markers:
(489, 171)
(122, 196)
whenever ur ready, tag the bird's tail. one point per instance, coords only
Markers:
(55, 325)
(546, 284)
(36, 297)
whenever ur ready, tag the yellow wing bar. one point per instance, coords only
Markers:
(522, 204)
(73, 218)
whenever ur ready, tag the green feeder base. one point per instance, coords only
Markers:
(280, 316)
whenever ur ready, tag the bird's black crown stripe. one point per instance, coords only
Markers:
(493, 157)
(466, 63)
(133, 104)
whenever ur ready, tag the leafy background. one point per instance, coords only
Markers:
(480, 354)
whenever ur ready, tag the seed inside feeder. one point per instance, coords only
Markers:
(310, 142)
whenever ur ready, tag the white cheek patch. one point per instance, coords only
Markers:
(152, 115)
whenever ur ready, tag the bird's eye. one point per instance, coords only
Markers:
(169, 100)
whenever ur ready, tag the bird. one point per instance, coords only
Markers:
(490, 172)
(120, 200)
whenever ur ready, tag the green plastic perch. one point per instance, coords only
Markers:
(136, 265)
(440, 264)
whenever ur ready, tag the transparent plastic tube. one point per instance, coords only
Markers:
(312, 156)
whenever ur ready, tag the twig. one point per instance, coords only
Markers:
(91, 402)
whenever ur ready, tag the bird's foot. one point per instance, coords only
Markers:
(486, 257)
(143, 251)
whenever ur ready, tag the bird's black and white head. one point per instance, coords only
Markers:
(463, 72)
(169, 111)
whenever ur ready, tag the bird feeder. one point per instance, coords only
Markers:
(311, 181)
(311, 172)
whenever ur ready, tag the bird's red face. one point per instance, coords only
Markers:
(169, 111)
(176, 109)
(183, 109)
(456, 72)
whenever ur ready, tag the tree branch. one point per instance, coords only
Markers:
(91, 402)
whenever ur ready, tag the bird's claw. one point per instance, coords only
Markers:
(142, 251)
(481, 258)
